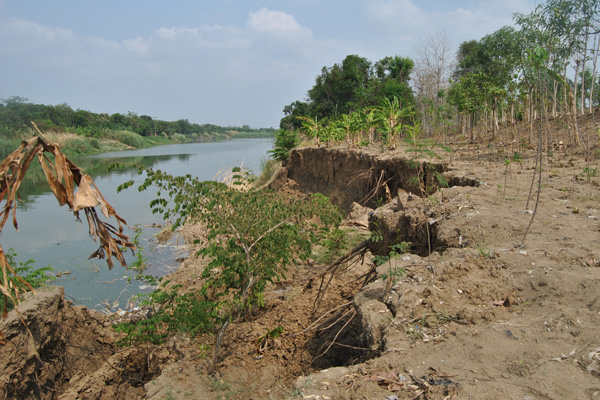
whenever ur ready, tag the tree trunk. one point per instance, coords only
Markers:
(566, 93)
(587, 30)
(554, 100)
(575, 88)
(594, 64)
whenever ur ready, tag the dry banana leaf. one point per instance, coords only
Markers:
(63, 177)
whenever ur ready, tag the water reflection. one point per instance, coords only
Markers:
(52, 236)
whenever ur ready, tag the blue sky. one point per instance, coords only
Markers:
(226, 62)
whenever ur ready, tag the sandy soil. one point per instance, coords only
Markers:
(490, 318)
(486, 314)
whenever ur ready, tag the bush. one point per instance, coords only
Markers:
(251, 238)
(75, 147)
(35, 277)
(284, 142)
(129, 138)
(7, 146)
(267, 169)
(179, 137)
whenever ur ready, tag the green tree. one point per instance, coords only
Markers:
(292, 112)
(353, 85)
(285, 140)
(391, 116)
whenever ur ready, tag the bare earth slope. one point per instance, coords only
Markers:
(482, 317)
(476, 315)
(490, 319)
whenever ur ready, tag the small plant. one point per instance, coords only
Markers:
(517, 158)
(434, 200)
(486, 252)
(266, 340)
(141, 261)
(376, 236)
(203, 350)
(395, 272)
(506, 173)
(218, 384)
(590, 172)
(443, 182)
(173, 312)
(36, 277)
(334, 241)
(394, 275)
(418, 331)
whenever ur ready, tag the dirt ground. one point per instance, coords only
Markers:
(481, 315)
(490, 317)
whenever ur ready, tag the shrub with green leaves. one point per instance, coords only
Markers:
(284, 142)
(129, 138)
(36, 277)
(252, 236)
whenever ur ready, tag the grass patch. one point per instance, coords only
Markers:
(129, 138)
(268, 167)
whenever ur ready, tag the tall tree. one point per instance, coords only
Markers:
(431, 78)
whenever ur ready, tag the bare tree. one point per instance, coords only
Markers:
(433, 66)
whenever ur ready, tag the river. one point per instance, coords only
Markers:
(51, 236)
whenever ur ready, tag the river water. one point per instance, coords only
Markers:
(51, 236)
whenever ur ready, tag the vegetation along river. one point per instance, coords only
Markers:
(51, 236)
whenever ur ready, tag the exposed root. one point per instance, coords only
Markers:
(354, 255)
(353, 312)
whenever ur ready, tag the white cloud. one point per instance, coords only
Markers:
(396, 14)
(167, 33)
(24, 28)
(277, 23)
(138, 45)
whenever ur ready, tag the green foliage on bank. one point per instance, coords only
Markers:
(251, 238)
(96, 132)
(480, 92)
(353, 84)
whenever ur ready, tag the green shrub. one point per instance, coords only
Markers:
(252, 236)
(76, 147)
(7, 146)
(284, 142)
(36, 277)
(179, 137)
(129, 138)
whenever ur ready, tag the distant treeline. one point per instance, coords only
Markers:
(16, 113)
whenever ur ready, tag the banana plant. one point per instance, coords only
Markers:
(390, 115)
(312, 128)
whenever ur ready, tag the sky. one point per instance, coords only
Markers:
(223, 62)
